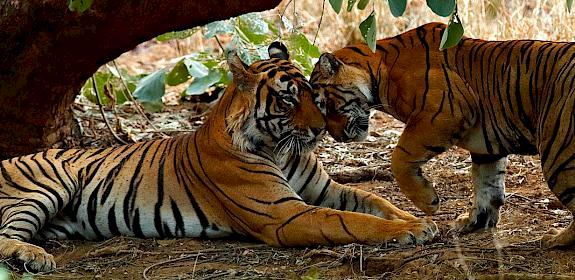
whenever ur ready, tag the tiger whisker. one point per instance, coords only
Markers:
(280, 146)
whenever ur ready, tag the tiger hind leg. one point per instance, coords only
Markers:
(488, 174)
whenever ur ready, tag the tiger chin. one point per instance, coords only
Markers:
(493, 98)
(248, 171)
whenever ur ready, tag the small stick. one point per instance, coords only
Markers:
(320, 20)
(104, 115)
(196, 254)
(133, 100)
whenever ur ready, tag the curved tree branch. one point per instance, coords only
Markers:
(47, 52)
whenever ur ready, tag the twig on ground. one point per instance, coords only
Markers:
(196, 254)
(216, 275)
(523, 276)
(107, 251)
(488, 259)
(362, 174)
(195, 265)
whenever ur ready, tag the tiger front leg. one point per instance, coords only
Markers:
(35, 258)
(348, 198)
(28, 200)
(488, 173)
(303, 225)
(20, 220)
(407, 158)
(318, 189)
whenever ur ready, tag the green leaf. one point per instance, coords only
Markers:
(218, 27)
(451, 36)
(178, 35)
(150, 91)
(117, 86)
(196, 69)
(256, 23)
(569, 5)
(302, 51)
(178, 75)
(273, 28)
(253, 28)
(336, 5)
(79, 6)
(287, 24)
(201, 85)
(102, 79)
(362, 4)
(397, 7)
(227, 77)
(368, 30)
(298, 41)
(122, 93)
(350, 4)
(442, 8)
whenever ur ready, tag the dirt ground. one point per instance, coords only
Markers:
(512, 251)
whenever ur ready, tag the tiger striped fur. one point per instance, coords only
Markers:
(248, 171)
(493, 98)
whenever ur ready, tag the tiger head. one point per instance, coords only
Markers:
(348, 93)
(276, 109)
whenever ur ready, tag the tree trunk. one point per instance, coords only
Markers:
(47, 52)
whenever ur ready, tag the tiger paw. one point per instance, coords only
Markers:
(475, 220)
(418, 232)
(426, 198)
(554, 238)
(35, 258)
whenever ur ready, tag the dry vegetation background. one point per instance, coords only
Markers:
(510, 252)
(486, 19)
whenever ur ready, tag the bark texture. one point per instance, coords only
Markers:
(47, 52)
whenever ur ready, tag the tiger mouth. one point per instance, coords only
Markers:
(295, 143)
(356, 130)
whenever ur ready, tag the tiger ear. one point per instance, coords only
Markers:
(245, 81)
(328, 64)
(278, 50)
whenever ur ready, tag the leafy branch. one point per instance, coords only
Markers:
(204, 71)
(443, 8)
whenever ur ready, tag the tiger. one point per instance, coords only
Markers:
(492, 98)
(248, 171)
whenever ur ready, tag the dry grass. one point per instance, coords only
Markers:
(486, 19)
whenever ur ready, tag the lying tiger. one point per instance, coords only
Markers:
(493, 98)
(248, 170)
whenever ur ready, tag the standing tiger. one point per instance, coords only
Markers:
(248, 170)
(493, 98)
